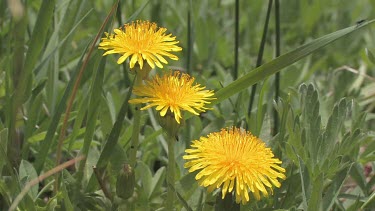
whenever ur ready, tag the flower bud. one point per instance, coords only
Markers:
(125, 182)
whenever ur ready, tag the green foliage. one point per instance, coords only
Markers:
(323, 153)
(325, 137)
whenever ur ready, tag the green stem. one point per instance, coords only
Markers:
(259, 59)
(277, 79)
(136, 127)
(170, 173)
(236, 38)
(189, 53)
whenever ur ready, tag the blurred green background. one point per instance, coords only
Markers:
(37, 62)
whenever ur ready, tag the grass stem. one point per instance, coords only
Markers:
(277, 77)
(73, 95)
(236, 38)
(259, 59)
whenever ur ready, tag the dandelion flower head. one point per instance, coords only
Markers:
(234, 160)
(141, 41)
(174, 92)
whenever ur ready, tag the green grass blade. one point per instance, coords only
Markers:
(39, 36)
(369, 200)
(112, 139)
(277, 77)
(37, 43)
(82, 108)
(259, 58)
(60, 44)
(236, 38)
(46, 144)
(137, 12)
(304, 181)
(75, 9)
(3, 148)
(36, 101)
(93, 112)
(281, 62)
(15, 84)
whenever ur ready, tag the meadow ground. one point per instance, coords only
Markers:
(187, 105)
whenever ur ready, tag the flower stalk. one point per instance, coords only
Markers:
(137, 119)
(146, 44)
(171, 127)
(170, 173)
(135, 136)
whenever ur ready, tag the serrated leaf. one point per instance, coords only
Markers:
(311, 121)
(334, 125)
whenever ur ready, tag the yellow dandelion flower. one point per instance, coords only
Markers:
(141, 40)
(234, 159)
(173, 91)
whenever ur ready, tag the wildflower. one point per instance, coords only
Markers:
(141, 40)
(172, 93)
(234, 159)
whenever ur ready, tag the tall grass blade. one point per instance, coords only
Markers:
(47, 142)
(274, 66)
(112, 139)
(259, 59)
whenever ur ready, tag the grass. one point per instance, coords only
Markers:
(61, 99)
